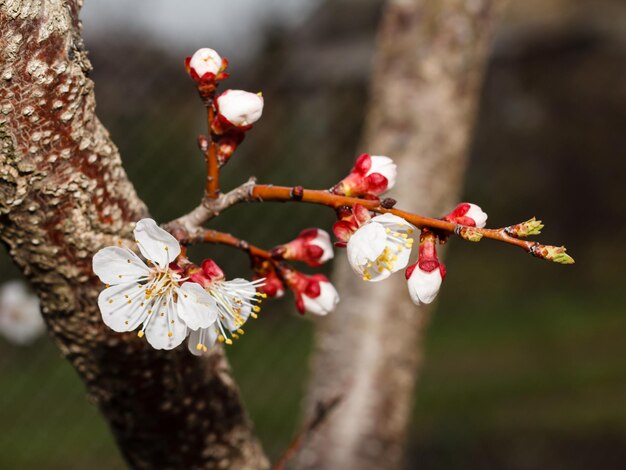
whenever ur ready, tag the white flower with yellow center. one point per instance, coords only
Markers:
(380, 247)
(236, 300)
(150, 295)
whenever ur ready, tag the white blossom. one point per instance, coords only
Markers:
(236, 301)
(150, 295)
(380, 247)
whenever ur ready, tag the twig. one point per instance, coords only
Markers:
(285, 193)
(212, 189)
(210, 208)
(222, 238)
(192, 222)
(322, 411)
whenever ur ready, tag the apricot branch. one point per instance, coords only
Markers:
(197, 301)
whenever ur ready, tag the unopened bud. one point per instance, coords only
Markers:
(204, 64)
(203, 143)
(240, 108)
(525, 229)
(371, 175)
(556, 254)
(469, 233)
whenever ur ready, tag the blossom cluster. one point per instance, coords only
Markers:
(167, 298)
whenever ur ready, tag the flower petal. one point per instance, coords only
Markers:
(424, 286)
(388, 219)
(365, 245)
(117, 265)
(205, 337)
(123, 307)
(323, 303)
(195, 306)
(165, 330)
(241, 292)
(155, 243)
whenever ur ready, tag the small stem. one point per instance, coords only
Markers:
(222, 238)
(212, 189)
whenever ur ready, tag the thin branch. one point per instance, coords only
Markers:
(212, 189)
(191, 224)
(326, 198)
(210, 208)
(322, 411)
(222, 238)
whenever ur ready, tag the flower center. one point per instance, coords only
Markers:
(396, 242)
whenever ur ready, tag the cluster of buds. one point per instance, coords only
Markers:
(233, 111)
(378, 246)
(313, 293)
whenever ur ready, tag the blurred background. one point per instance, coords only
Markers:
(525, 360)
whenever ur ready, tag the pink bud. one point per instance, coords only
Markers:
(424, 278)
(350, 221)
(212, 270)
(312, 246)
(467, 214)
(273, 286)
(239, 108)
(205, 64)
(424, 285)
(371, 175)
(314, 294)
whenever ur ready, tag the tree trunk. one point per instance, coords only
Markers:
(64, 195)
(426, 84)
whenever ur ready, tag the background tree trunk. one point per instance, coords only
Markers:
(426, 84)
(64, 195)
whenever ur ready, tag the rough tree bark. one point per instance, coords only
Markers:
(63, 195)
(428, 69)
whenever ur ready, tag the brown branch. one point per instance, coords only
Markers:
(190, 225)
(221, 238)
(284, 193)
(212, 189)
(210, 208)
